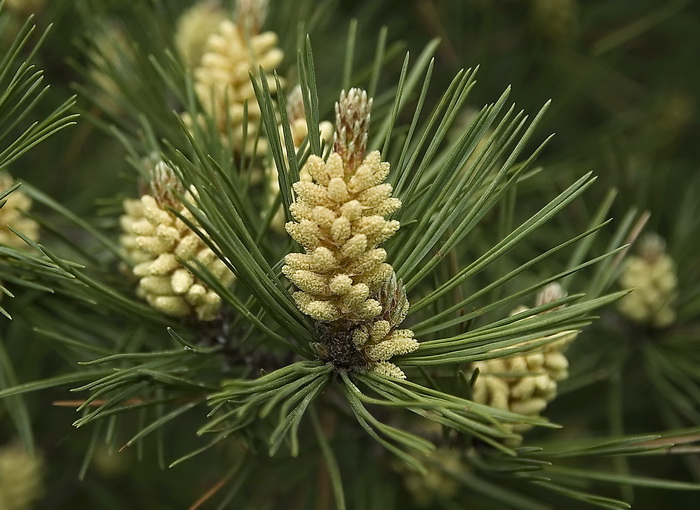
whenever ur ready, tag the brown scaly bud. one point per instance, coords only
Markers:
(549, 294)
(652, 246)
(352, 116)
(250, 15)
(337, 347)
(165, 185)
(295, 105)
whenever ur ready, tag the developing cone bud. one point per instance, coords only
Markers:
(165, 185)
(352, 116)
(250, 15)
(652, 276)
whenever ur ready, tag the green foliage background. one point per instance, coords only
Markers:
(623, 81)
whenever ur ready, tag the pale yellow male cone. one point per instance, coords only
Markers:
(156, 241)
(525, 383)
(652, 277)
(343, 279)
(223, 84)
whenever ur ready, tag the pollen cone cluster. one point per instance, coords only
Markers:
(343, 277)
(652, 275)
(380, 339)
(340, 221)
(436, 483)
(113, 60)
(156, 241)
(222, 80)
(11, 215)
(21, 480)
(194, 26)
(299, 131)
(525, 383)
(297, 124)
(369, 344)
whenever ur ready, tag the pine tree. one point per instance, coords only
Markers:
(433, 326)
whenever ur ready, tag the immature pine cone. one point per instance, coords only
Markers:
(155, 240)
(652, 275)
